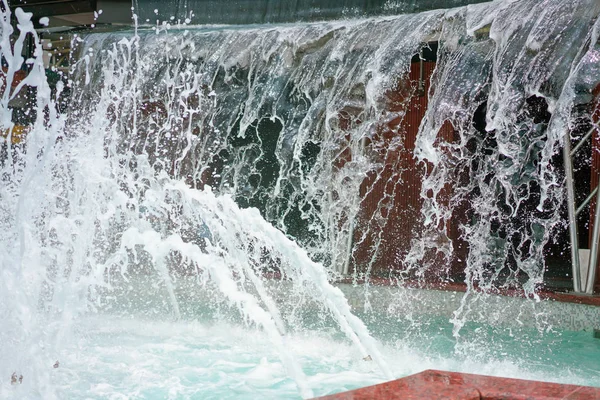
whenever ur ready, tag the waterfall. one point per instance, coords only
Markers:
(305, 122)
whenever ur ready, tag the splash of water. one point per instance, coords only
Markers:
(179, 145)
(507, 169)
(85, 208)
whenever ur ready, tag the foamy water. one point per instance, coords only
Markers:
(110, 357)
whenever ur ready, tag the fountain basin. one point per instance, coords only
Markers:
(134, 348)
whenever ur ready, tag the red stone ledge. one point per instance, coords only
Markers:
(438, 385)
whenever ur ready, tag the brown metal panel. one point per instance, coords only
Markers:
(395, 192)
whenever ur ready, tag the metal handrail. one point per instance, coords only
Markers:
(575, 265)
(582, 141)
(586, 201)
(593, 262)
(574, 212)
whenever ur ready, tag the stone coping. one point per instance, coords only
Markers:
(566, 297)
(437, 385)
(479, 307)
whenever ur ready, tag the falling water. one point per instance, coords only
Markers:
(240, 154)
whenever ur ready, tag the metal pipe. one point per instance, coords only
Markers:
(421, 84)
(586, 201)
(582, 141)
(593, 265)
(572, 214)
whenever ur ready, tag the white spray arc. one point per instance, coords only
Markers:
(80, 209)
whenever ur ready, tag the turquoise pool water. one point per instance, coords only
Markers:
(110, 357)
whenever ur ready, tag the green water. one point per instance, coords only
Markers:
(135, 358)
(134, 349)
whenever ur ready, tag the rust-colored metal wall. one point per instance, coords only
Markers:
(390, 216)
